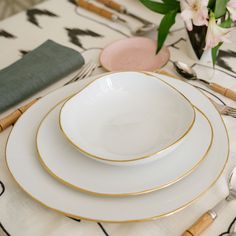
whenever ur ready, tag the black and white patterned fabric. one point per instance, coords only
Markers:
(63, 22)
(11, 7)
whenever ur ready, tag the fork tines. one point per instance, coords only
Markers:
(84, 72)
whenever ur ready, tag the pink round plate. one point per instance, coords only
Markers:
(137, 53)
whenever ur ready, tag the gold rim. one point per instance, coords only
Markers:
(120, 194)
(135, 158)
(140, 220)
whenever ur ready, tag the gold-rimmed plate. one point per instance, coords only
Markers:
(74, 169)
(127, 118)
(22, 161)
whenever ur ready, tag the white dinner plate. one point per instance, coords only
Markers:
(127, 118)
(71, 167)
(23, 163)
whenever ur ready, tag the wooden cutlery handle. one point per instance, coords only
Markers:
(14, 116)
(224, 91)
(98, 10)
(113, 5)
(200, 225)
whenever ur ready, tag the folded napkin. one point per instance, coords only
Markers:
(35, 71)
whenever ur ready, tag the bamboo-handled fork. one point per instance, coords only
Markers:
(10, 119)
(224, 109)
(122, 9)
(146, 27)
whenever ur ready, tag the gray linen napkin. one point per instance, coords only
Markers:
(35, 71)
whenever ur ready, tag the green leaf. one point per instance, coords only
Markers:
(220, 8)
(167, 21)
(171, 2)
(162, 8)
(211, 4)
(214, 52)
(174, 4)
(227, 23)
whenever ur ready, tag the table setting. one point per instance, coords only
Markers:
(118, 118)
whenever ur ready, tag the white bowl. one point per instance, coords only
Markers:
(127, 118)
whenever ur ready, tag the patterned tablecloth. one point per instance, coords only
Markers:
(62, 22)
(8, 8)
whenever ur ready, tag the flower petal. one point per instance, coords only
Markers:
(216, 34)
(232, 3)
(195, 10)
(232, 12)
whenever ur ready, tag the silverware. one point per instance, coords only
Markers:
(10, 119)
(188, 73)
(84, 72)
(224, 109)
(122, 9)
(112, 16)
(208, 218)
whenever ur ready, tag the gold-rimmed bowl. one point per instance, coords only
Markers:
(127, 118)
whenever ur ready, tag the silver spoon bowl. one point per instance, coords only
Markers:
(187, 72)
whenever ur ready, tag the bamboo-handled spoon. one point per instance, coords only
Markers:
(188, 73)
(208, 218)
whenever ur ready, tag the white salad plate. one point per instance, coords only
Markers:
(127, 118)
(23, 163)
(71, 167)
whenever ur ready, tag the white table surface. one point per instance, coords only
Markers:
(21, 215)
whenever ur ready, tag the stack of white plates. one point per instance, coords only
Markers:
(120, 147)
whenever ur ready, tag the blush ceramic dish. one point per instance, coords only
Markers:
(113, 121)
(133, 54)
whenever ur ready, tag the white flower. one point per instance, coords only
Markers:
(231, 6)
(216, 34)
(194, 12)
